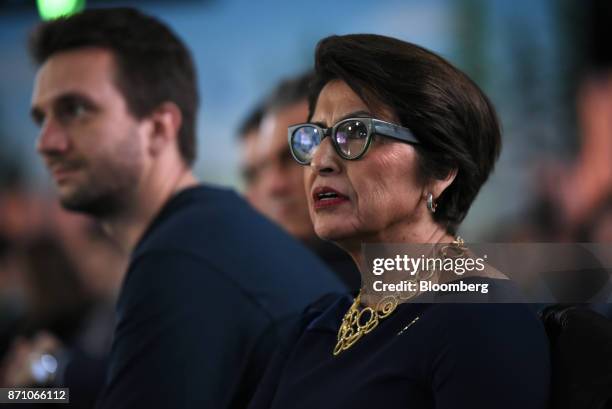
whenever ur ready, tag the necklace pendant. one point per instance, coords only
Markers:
(356, 324)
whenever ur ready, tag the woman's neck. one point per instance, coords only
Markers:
(423, 233)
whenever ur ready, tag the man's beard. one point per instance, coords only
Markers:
(109, 188)
(99, 203)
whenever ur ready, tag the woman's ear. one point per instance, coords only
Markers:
(438, 186)
(166, 120)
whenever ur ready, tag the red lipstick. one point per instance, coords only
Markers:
(325, 197)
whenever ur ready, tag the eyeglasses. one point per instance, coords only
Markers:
(351, 137)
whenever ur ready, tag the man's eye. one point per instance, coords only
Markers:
(38, 118)
(70, 111)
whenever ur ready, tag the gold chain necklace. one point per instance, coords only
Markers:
(356, 323)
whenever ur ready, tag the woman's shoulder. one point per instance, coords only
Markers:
(502, 317)
(511, 328)
(501, 347)
(493, 316)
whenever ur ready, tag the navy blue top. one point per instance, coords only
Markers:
(204, 303)
(460, 356)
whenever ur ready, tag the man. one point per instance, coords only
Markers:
(274, 181)
(210, 284)
(248, 133)
(279, 177)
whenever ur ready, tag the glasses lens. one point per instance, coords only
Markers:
(352, 137)
(304, 141)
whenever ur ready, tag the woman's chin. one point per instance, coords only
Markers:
(332, 233)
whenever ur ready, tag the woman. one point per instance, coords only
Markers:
(398, 144)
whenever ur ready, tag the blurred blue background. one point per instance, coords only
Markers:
(525, 54)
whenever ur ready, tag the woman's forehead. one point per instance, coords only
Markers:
(337, 100)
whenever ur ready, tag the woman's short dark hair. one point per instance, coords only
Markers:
(453, 119)
(153, 64)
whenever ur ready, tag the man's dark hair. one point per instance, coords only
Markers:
(153, 65)
(252, 120)
(453, 119)
(289, 91)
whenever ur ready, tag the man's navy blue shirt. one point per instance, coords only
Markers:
(206, 299)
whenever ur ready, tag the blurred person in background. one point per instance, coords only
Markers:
(248, 134)
(577, 190)
(571, 194)
(210, 284)
(24, 219)
(283, 196)
(65, 276)
(70, 293)
(19, 303)
(275, 183)
(587, 181)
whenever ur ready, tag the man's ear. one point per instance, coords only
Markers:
(438, 186)
(166, 120)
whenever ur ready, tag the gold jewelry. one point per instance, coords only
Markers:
(353, 326)
(356, 323)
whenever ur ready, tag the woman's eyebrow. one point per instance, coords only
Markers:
(355, 114)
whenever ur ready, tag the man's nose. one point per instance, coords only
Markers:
(325, 160)
(52, 138)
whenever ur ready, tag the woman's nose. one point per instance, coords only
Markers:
(325, 160)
